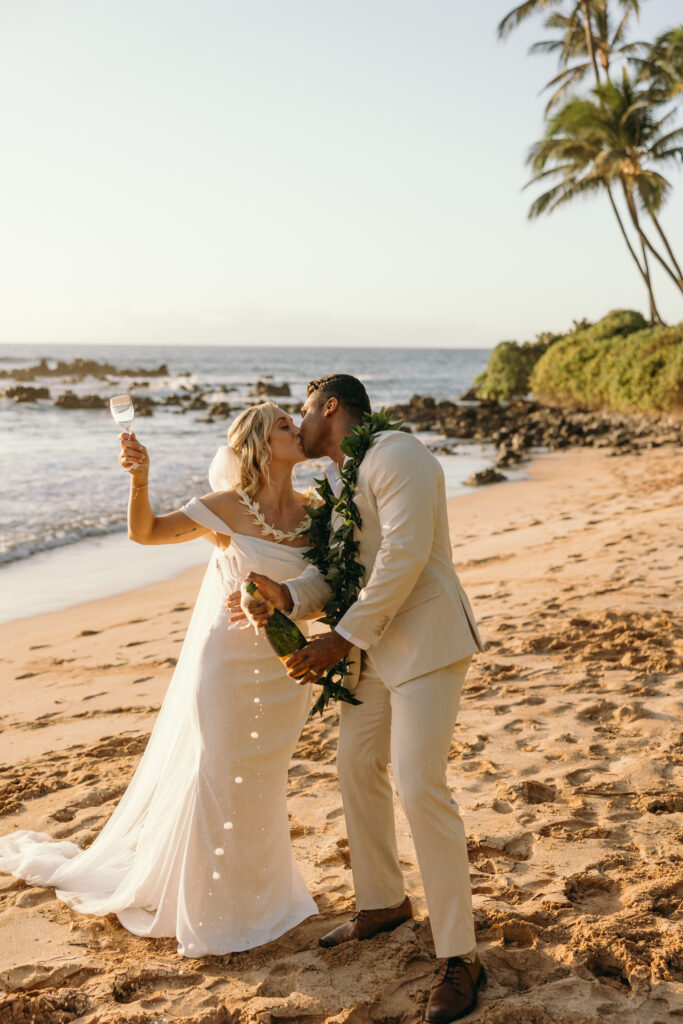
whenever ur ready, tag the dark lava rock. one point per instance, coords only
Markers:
(264, 387)
(71, 401)
(469, 396)
(514, 427)
(198, 402)
(79, 368)
(420, 403)
(220, 409)
(507, 458)
(485, 476)
(22, 393)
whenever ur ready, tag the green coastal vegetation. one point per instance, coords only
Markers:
(612, 139)
(620, 363)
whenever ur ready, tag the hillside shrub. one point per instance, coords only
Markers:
(509, 368)
(619, 363)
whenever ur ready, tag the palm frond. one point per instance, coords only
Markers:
(519, 14)
(670, 154)
(620, 29)
(570, 76)
(652, 191)
(567, 73)
(549, 201)
(546, 46)
(564, 169)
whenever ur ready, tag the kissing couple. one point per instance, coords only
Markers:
(199, 845)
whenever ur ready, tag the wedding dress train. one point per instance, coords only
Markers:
(199, 846)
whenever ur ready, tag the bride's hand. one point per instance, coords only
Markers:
(233, 606)
(134, 458)
(275, 595)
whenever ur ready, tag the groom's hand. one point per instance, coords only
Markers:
(274, 595)
(311, 663)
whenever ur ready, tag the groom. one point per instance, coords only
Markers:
(411, 633)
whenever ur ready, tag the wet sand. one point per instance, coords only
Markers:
(566, 762)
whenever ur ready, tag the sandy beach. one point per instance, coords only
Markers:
(566, 762)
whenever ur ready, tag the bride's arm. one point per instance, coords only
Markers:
(143, 526)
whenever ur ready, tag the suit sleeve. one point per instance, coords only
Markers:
(310, 593)
(404, 480)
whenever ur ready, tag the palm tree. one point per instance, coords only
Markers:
(590, 17)
(660, 64)
(615, 138)
(570, 44)
(588, 34)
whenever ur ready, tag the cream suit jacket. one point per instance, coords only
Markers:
(412, 612)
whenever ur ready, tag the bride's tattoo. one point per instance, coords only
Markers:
(190, 529)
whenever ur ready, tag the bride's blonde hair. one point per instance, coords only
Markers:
(248, 437)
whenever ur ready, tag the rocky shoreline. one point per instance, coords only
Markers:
(518, 427)
(188, 398)
(515, 428)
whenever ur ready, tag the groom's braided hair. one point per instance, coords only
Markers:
(348, 391)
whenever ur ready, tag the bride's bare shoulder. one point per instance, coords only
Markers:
(224, 504)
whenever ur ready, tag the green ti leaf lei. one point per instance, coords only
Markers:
(335, 553)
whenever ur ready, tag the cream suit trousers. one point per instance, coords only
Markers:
(411, 726)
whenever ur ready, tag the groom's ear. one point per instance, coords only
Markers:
(331, 406)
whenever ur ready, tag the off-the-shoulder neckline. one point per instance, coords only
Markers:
(234, 533)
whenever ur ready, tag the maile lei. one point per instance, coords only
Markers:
(335, 553)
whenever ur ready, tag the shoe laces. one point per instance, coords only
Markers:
(455, 972)
(359, 913)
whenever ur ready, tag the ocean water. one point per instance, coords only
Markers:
(63, 499)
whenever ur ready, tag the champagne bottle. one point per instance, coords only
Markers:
(284, 636)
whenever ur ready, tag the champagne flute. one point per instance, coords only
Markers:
(122, 410)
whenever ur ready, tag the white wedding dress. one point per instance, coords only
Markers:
(199, 846)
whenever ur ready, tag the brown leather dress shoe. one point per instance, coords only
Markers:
(455, 991)
(366, 923)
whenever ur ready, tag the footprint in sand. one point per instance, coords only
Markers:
(515, 726)
(669, 803)
(594, 892)
(336, 853)
(517, 934)
(533, 792)
(578, 776)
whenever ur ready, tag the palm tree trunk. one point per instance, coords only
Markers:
(654, 312)
(623, 229)
(643, 237)
(677, 281)
(668, 248)
(589, 38)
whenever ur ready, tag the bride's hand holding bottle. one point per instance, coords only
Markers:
(272, 595)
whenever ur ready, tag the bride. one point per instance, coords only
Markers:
(199, 846)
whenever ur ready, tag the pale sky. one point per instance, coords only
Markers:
(290, 171)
